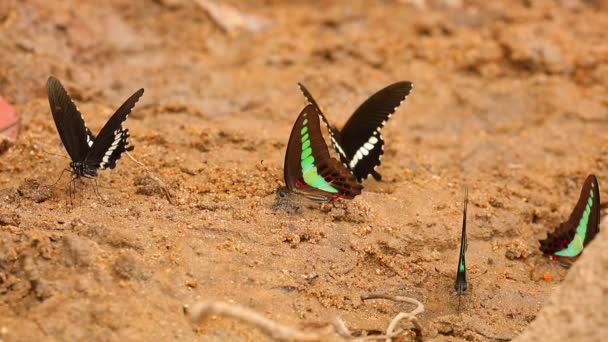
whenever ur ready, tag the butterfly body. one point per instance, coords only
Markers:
(81, 169)
(570, 238)
(460, 285)
(89, 153)
(359, 143)
(309, 171)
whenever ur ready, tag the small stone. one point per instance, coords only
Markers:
(513, 253)
(11, 219)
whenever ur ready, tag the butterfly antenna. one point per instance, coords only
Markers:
(268, 172)
(53, 154)
(161, 184)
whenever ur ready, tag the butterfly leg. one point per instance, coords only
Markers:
(96, 187)
(60, 176)
(376, 175)
(71, 190)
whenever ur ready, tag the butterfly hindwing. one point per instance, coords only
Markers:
(461, 273)
(309, 169)
(75, 136)
(113, 139)
(361, 138)
(569, 239)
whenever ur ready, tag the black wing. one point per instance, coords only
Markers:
(113, 139)
(334, 133)
(74, 134)
(361, 138)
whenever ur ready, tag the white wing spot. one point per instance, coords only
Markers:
(364, 151)
(118, 136)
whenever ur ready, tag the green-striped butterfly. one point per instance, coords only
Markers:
(309, 170)
(461, 273)
(359, 143)
(569, 239)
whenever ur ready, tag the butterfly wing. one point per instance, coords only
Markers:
(309, 169)
(75, 136)
(334, 133)
(572, 236)
(461, 273)
(113, 139)
(360, 137)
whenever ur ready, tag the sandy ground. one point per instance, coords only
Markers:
(509, 98)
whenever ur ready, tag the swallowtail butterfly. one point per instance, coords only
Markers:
(360, 143)
(460, 285)
(569, 239)
(88, 152)
(309, 170)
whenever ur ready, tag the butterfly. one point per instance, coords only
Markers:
(360, 143)
(569, 239)
(88, 152)
(460, 285)
(309, 170)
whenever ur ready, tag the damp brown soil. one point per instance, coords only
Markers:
(509, 99)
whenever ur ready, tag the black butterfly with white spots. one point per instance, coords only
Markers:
(88, 152)
(360, 143)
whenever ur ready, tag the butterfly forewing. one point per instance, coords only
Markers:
(309, 168)
(113, 139)
(74, 134)
(573, 235)
(334, 133)
(361, 138)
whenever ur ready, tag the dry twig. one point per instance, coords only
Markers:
(410, 316)
(200, 312)
(160, 183)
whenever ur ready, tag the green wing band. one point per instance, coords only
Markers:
(575, 247)
(307, 162)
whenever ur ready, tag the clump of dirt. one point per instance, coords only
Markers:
(32, 190)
